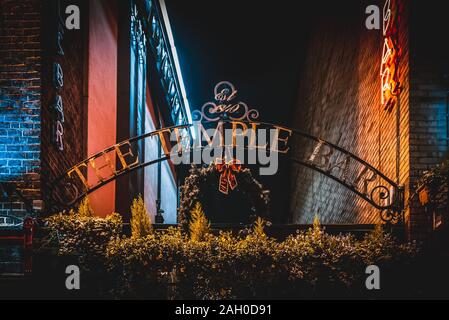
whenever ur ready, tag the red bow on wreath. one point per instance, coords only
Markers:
(227, 176)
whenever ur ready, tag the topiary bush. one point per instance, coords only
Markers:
(199, 226)
(140, 219)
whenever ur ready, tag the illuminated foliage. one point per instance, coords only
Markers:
(83, 236)
(199, 226)
(84, 209)
(199, 179)
(140, 219)
(227, 265)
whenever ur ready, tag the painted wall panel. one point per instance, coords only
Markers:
(102, 90)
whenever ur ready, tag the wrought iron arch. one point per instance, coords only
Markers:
(322, 156)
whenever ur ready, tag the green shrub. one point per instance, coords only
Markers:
(140, 219)
(225, 265)
(199, 226)
(84, 209)
(140, 266)
(83, 236)
(321, 260)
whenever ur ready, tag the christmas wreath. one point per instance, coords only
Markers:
(230, 177)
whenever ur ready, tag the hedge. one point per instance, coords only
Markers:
(172, 264)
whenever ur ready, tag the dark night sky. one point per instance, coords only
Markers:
(259, 47)
(256, 46)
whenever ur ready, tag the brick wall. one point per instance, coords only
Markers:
(20, 92)
(429, 87)
(73, 93)
(339, 101)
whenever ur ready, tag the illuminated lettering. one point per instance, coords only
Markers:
(122, 156)
(324, 157)
(365, 180)
(389, 68)
(386, 16)
(216, 133)
(226, 94)
(221, 108)
(59, 133)
(284, 140)
(343, 166)
(80, 175)
(58, 76)
(241, 132)
(315, 152)
(96, 168)
(161, 133)
(179, 139)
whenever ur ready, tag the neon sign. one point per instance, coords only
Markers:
(389, 67)
(57, 108)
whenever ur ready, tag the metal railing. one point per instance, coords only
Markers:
(148, 12)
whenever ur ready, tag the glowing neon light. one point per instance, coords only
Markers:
(389, 68)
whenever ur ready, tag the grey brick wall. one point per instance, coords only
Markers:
(429, 88)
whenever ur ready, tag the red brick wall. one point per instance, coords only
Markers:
(20, 92)
(339, 101)
(55, 162)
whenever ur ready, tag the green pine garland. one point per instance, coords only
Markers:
(200, 177)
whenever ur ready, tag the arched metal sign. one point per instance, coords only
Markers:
(229, 130)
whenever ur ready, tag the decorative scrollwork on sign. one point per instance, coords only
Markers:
(391, 216)
(228, 113)
(225, 107)
(381, 196)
